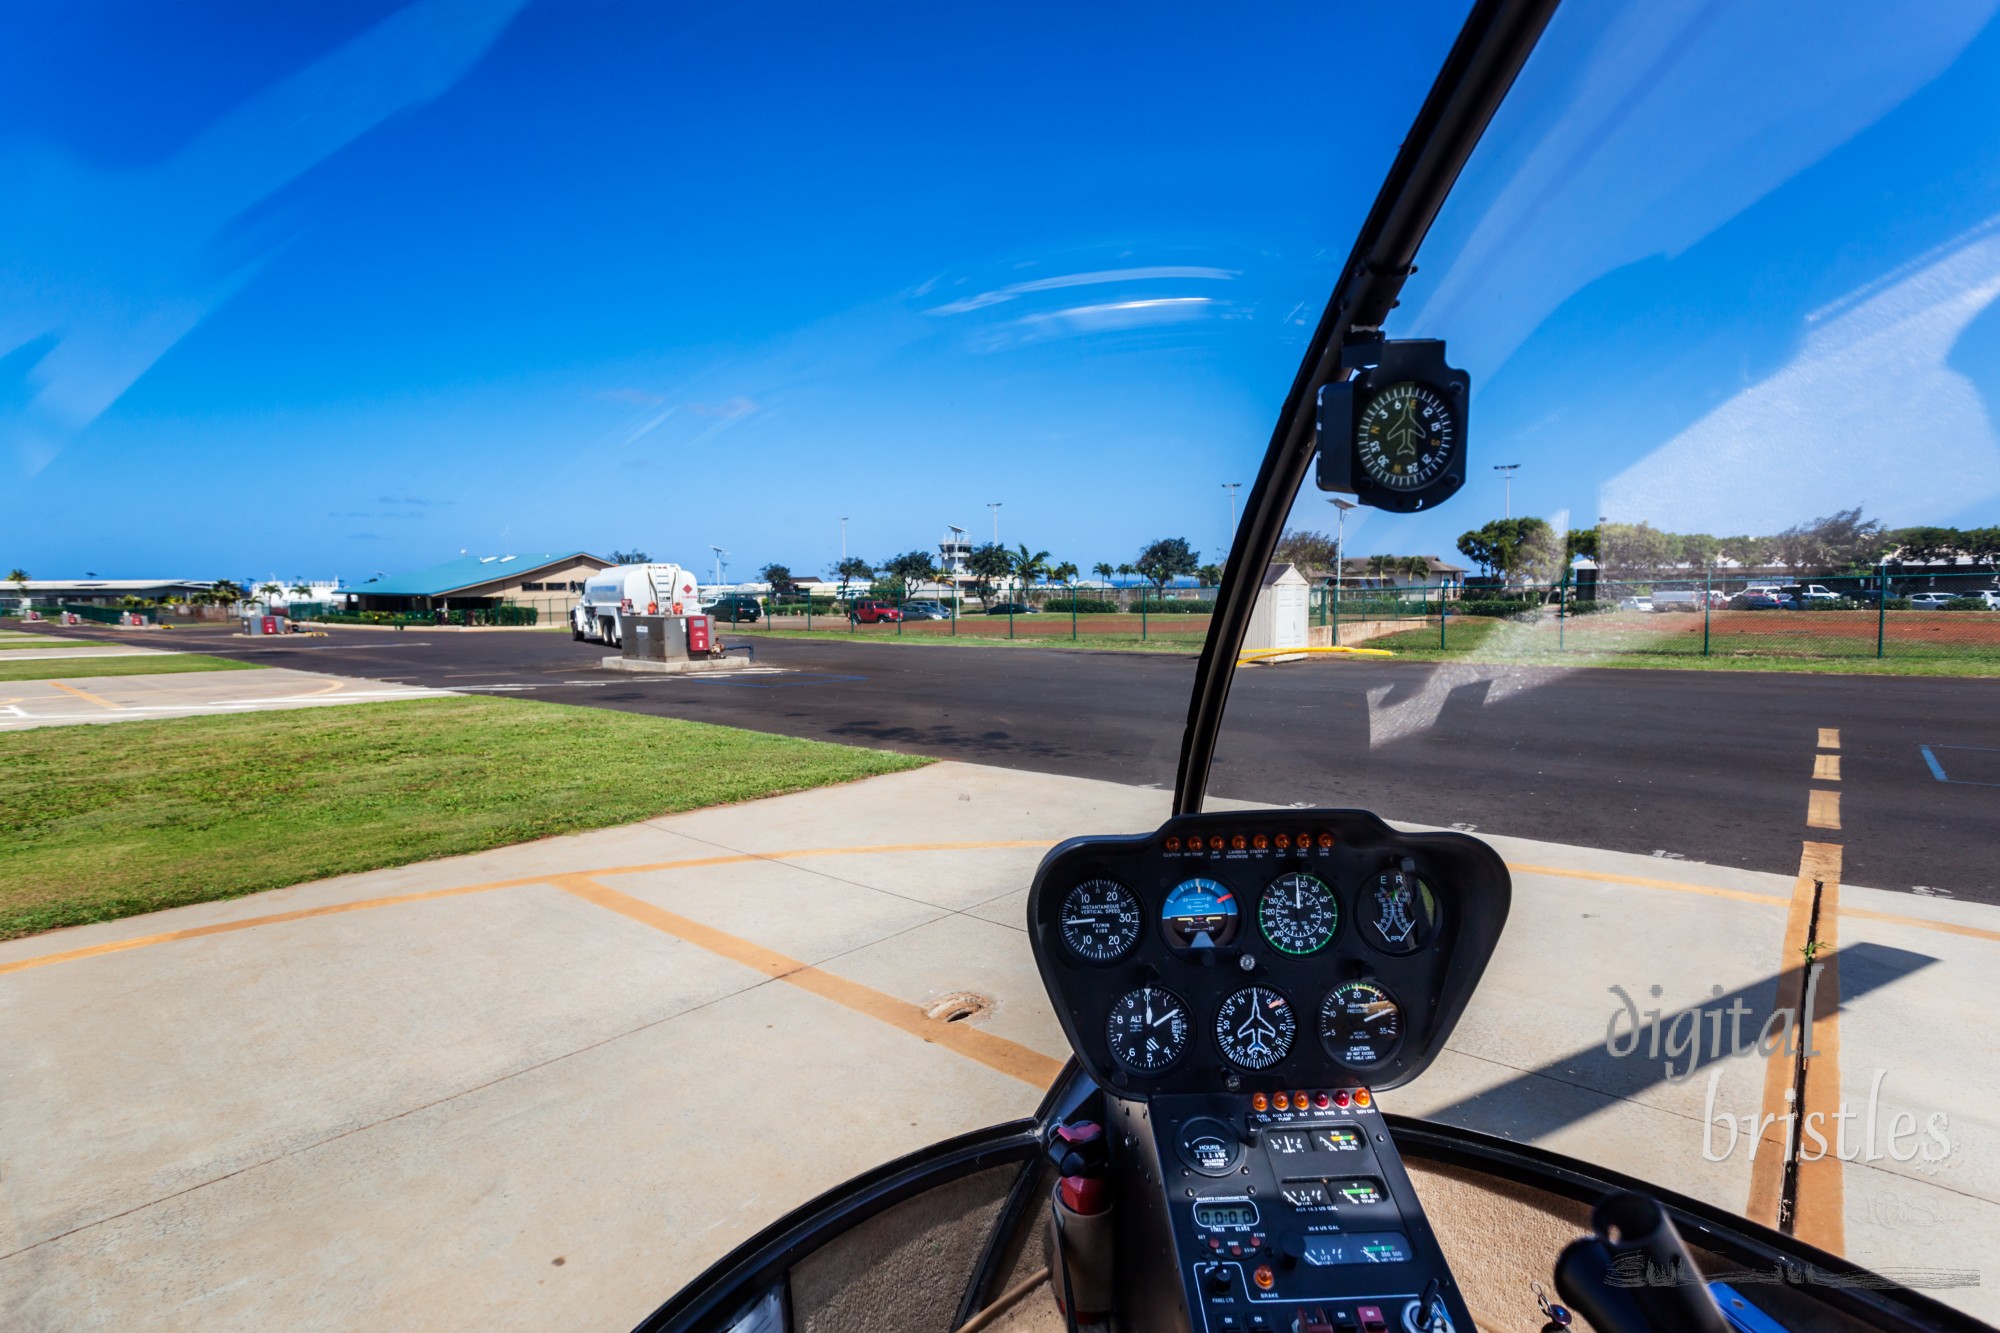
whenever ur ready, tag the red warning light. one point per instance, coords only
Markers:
(1326, 840)
(1284, 841)
(1173, 844)
(1239, 842)
(1215, 843)
(1260, 842)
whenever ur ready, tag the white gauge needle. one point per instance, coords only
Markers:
(1167, 1016)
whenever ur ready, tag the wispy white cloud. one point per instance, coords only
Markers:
(1868, 411)
(1018, 289)
(119, 267)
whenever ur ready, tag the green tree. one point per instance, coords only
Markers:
(224, 592)
(1580, 542)
(779, 577)
(1165, 559)
(1028, 566)
(1210, 575)
(19, 578)
(850, 569)
(903, 570)
(631, 557)
(1104, 569)
(1065, 573)
(1837, 541)
(1513, 547)
(1636, 548)
(1311, 551)
(987, 563)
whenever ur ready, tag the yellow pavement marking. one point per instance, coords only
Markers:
(691, 863)
(1826, 768)
(997, 1053)
(1819, 1212)
(1829, 738)
(1823, 809)
(85, 695)
(1637, 881)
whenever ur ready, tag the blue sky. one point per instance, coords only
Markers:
(325, 289)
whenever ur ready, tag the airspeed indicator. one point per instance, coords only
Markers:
(1299, 914)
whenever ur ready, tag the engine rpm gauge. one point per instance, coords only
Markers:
(1148, 1030)
(1360, 1024)
(1100, 920)
(1299, 914)
(1255, 1027)
(1398, 911)
(1198, 914)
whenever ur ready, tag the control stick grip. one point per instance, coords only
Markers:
(1635, 1274)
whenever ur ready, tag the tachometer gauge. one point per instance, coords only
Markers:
(1255, 1027)
(1199, 914)
(1299, 914)
(1148, 1030)
(1398, 912)
(1360, 1024)
(1100, 920)
(1407, 435)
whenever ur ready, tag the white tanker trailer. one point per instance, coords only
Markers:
(613, 596)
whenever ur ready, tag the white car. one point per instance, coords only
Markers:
(1930, 601)
(1635, 603)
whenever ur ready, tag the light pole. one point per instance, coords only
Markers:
(958, 542)
(1508, 470)
(995, 507)
(843, 540)
(1340, 541)
(719, 553)
(1231, 486)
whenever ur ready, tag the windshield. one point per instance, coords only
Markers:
(566, 563)
(1723, 280)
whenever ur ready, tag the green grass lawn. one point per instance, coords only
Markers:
(109, 821)
(1179, 641)
(72, 668)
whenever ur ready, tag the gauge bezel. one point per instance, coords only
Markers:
(1287, 1035)
(1234, 930)
(1333, 900)
(1372, 935)
(1187, 1032)
(1138, 909)
(1383, 1057)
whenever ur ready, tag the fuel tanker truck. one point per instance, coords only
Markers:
(613, 596)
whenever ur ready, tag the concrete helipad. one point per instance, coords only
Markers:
(543, 1086)
(59, 702)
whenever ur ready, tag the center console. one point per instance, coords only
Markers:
(1242, 987)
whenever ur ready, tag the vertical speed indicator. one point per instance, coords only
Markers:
(1100, 920)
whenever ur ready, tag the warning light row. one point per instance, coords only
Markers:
(1238, 842)
(1338, 1099)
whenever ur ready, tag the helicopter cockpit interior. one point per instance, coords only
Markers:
(1244, 990)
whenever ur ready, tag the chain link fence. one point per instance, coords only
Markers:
(1882, 615)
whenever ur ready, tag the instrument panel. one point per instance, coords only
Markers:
(1264, 950)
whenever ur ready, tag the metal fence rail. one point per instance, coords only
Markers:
(1872, 616)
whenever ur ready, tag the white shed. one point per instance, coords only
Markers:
(1279, 618)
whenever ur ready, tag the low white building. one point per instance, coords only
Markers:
(1278, 620)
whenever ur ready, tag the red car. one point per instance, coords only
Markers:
(871, 613)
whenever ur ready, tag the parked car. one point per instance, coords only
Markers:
(1930, 601)
(1012, 609)
(1676, 599)
(926, 610)
(1808, 593)
(1986, 597)
(1635, 603)
(1753, 599)
(872, 612)
(737, 608)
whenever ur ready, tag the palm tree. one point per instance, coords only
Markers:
(1028, 565)
(1104, 569)
(267, 591)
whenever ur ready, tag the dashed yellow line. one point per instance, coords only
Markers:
(86, 695)
(1823, 809)
(1826, 768)
(1829, 738)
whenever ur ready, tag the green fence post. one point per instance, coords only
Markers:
(1562, 609)
(1072, 615)
(1010, 620)
(954, 616)
(1707, 604)
(1142, 615)
(1333, 609)
(1881, 608)
(809, 613)
(1440, 617)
